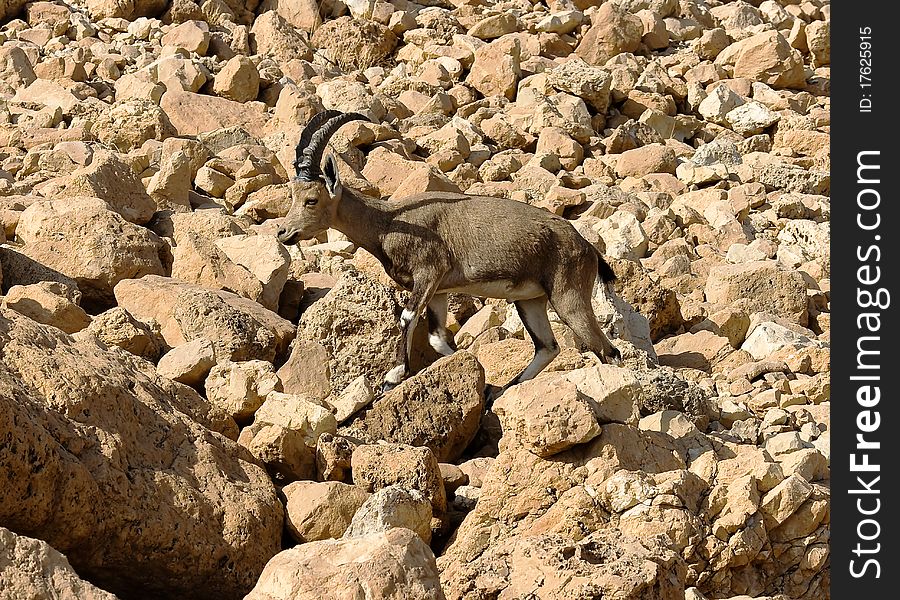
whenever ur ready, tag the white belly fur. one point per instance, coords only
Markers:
(499, 289)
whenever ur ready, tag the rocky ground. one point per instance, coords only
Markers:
(187, 406)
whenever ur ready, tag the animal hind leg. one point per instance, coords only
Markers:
(439, 336)
(574, 308)
(533, 313)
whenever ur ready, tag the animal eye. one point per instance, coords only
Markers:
(311, 202)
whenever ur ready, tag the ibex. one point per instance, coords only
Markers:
(436, 243)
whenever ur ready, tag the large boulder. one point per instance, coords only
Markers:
(192, 113)
(48, 302)
(395, 564)
(759, 286)
(240, 329)
(439, 407)
(321, 510)
(117, 468)
(377, 466)
(107, 177)
(768, 57)
(356, 322)
(82, 239)
(31, 568)
(606, 564)
(355, 43)
(613, 31)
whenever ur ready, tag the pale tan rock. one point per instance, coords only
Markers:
(306, 370)
(198, 260)
(390, 507)
(110, 504)
(82, 239)
(48, 302)
(131, 122)
(439, 407)
(702, 350)
(784, 499)
(271, 35)
(476, 470)
(238, 80)
(355, 43)
(759, 286)
(240, 388)
(171, 185)
(496, 69)
(213, 182)
(239, 328)
(109, 178)
(606, 563)
(31, 568)
(302, 15)
(356, 322)
(15, 69)
(192, 114)
(116, 327)
(48, 93)
(547, 417)
(612, 31)
(192, 36)
(768, 57)
(265, 258)
(377, 466)
(487, 317)
(319, 511)
(396, 563)
(623, 236)
(188, 363)
(177, 73)
(284, 433)
(355, 396)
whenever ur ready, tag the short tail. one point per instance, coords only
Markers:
(606, 273)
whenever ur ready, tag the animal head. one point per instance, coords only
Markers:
(315, 190)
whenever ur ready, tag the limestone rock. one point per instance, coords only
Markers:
(356, 322)
(109, 437)
(238, 80)
(390, 564)
(31, 568)
(355, 43)
(240, 388)
(377, 466)
(96, 247)
(188, 363)
(547, 417)
(107, 177)
(117, 327)
(768, 57)
(440, 408)
(239, 328)
(759, 286)
(50, 303)
(319, 511)
(612, 31)
(393, 506)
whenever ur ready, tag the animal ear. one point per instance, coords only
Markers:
(331, 177)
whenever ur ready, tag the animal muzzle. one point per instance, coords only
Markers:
(287, 236)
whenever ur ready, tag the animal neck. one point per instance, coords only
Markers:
(362, 219)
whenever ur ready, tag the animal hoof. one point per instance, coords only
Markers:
(386, 387)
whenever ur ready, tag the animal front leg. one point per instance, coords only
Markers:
(439, 337)
(409, 318)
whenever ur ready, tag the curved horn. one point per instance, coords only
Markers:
(312, 126)
(315, 138)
